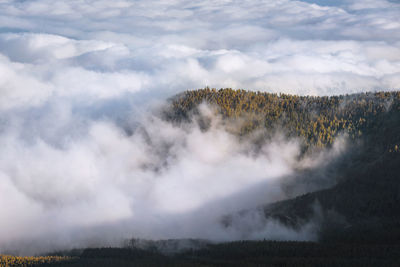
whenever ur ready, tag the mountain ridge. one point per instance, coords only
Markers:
(367, 176)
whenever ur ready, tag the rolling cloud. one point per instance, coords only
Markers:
(99, 49)
(103, 185)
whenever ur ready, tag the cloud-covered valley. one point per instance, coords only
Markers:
(81, 150)
(103, 185)
(102, 49)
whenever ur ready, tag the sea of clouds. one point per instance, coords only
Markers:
(77, 77)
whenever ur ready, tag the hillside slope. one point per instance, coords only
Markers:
(363, 205)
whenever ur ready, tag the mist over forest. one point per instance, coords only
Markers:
(173, 125)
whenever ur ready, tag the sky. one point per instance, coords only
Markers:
(75, 75)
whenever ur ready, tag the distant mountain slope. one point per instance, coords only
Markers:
(364, 204)
(318, 120)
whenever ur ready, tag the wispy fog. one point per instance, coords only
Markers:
(104, 184)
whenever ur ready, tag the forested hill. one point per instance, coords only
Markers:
(318, 120)
(367, 193)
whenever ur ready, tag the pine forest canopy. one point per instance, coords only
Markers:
(317, 120)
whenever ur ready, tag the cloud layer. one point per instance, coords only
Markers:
(105, 185)
(99, 49)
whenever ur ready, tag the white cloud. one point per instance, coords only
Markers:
(107, 178)
(155, 40)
